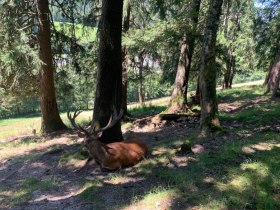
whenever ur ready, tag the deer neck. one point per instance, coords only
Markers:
(98, 150)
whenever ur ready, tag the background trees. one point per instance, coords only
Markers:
(160, 41)
(267, 36)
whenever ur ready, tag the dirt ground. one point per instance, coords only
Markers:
(67, 181)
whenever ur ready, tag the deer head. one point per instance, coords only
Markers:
(95, 132)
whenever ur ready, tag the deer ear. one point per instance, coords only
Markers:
(81, 135)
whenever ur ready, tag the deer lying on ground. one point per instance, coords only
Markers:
(110, 156)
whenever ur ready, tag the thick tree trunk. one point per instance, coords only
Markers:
(109, 79)
(51, 120)
(178, 100)
(209, 121)
(125, 62)
(273, 76)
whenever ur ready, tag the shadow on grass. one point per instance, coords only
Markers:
(228, 178)
(243, 173)
(260, 113)
(244, 93)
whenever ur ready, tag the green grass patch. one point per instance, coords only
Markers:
(84, 34)
(89, 192)
(68, 158)
(240, 93)
(147, 110)
(24, 192)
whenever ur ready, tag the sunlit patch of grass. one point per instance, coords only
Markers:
(259, 168)
(126, 125)
(147, 109)
(12, 128)
(156, 198)
(74, 159)
(22, 147)
(85, 34)
(215, 204)
(117, 178)
(24, 192)
(263, 114)
(83, 119)
(241, 93)
(89, 191)
(246, 180)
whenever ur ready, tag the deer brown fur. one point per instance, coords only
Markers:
(115, 155)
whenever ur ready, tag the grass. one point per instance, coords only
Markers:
(243, 172)
(146, 109)
(25, 189)
(84, 34)
(22, 126)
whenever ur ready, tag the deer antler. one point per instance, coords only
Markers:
(72, 120)
(113, 119)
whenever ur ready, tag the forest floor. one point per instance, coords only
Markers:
(237, 169)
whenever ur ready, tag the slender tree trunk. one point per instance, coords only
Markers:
(273, 76)
(230, 65)
(209, 121)
(232, 72)
(178, 100)
(196, 97)
(109, 79)
(125, 62)
(141, 88)
(51, 120)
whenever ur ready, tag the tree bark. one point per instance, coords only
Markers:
(209, 121)
(51, 120)
(125, 62)
(230, 71)
(178, 100)
(141, 96)
(273, 76)
(109, 79)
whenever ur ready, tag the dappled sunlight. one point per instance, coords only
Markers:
(238, 184)
(116, 180)
(262, 146)
(257, 167)
(56, 197)
(157, 198)
(35, 144)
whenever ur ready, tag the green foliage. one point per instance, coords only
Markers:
(236, 34)
(266, 32)
(153, 86)
(18, 58)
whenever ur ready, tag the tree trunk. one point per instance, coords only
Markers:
(141, 88)
(178, 100)
(125, 62)
(209, 121)
(51, 120)
(109, 79)
(230, 71)
(273, 76)
(195, 99)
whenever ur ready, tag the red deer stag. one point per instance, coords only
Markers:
(111, 156)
